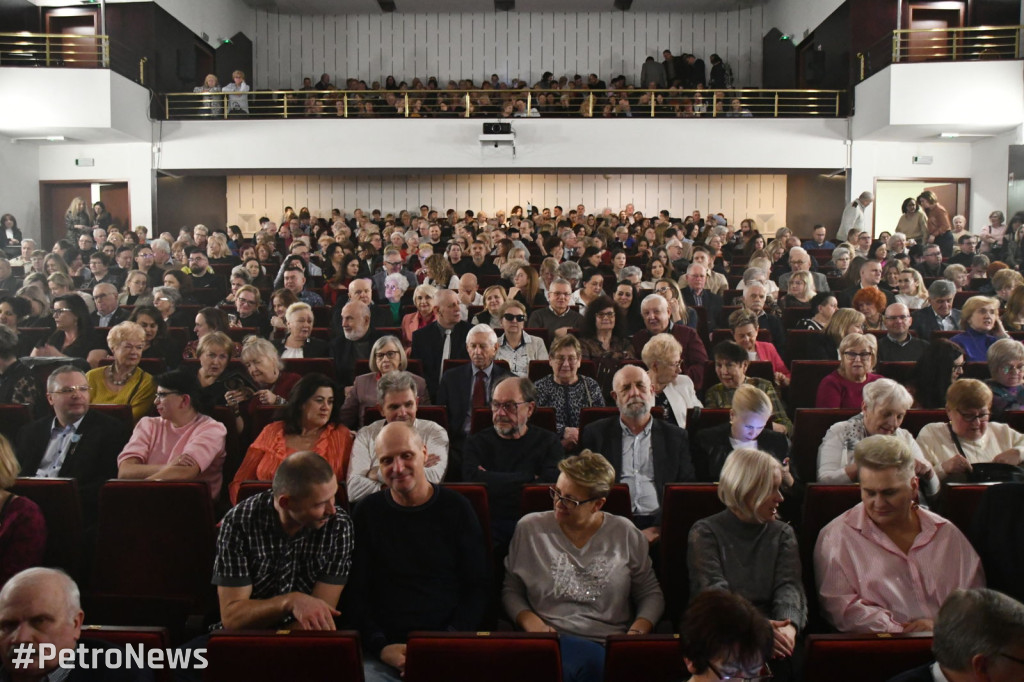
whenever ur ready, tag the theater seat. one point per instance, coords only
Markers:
(146, 637)
(650, 658)
(476, 493)
(536, 498)
(255, 656)
(304, 366)
(122, 413)
(822, 503)
(12, 417)
(58, 500)
(915, 420)
(960, 501)
(809, 428)
(683, 504)
(589, 415)
(807, 375)
(470, 657)
(857, 658)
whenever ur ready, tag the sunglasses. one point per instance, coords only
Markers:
(514, 318)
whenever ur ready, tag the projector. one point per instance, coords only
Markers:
(497, 128)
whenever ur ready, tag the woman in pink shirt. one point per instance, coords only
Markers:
(887, 565)
(844, 387)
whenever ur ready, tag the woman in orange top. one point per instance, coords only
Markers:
(310, 423)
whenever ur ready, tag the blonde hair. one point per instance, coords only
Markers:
(567, 341)
(884, 452)
(659, 347)
(125, 331)
(296, 308)
(254, 347)
(1006, 277)
(751, 400)
(218, 340)
(747, 480)
(842, 320)
(969, 394)
(589, 470)
(886, 392)
(859, 340)
(805, 277)
(972, 305)
(9, 467)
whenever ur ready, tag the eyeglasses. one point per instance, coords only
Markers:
(514, 318)
(568, 502)
(762, 675)
(394, 263)
(246, 301)
(958, 368)
(1012, 369)
(979, 417)
(133, 346)
(606, 315)
(510, 406)
(68, 390)
(162, 395)
(564, 359)
(853, 355)
(58, 311)
(386, 355)
(894, 318)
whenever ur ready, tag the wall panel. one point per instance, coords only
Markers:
(511, 44)
(762, 197)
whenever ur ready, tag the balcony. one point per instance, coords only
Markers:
(972, 44)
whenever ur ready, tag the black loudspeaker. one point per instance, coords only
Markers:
(497, 129)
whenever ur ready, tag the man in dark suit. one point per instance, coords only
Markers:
(870, 276)
(443, 339)
(77, 443)
(460, 389)
(393, 263)
(977, 637)
(697, 296)
(646, 453)
(939, 315)
(108, 312)
(360, 290)
(353, 343)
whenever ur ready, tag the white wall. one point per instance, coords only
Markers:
(19, 184)
(990, 176)
(511, 44)
(126, 162)
(552, 145)
(761, 197)
(988, 93)
(797, 17)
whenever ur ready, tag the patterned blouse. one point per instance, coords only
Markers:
(568, 399)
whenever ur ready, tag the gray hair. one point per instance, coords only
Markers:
(403, 360)
(240, 272)
(941, 288)
(526, 388)
(51, 381)
(798, 250)
(172, 294)
(570, 270)
(395, 382)
(840, 251)
(561, 280)
(1003, 351)
(398, 279)
(485, 329)
(751, 274)
(159, 244)
(886, 393)
(630, 271)
(72, 595)
(973, 622)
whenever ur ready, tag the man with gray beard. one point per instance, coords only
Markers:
(646, 453)
(354, 343)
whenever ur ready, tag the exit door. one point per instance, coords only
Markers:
(930, 37)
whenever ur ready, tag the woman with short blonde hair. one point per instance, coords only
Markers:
(858, 354)
(123, 382)
(673, 390)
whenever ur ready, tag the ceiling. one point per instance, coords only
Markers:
(332, 7)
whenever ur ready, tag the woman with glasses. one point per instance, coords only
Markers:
(941, 364)
(558, 558)
(591, 287)
(136, 290)
(74, 336)
(970, 437)
(144, 261)
(123, 382)
(603, 338)
(516, 347)
(215, 352)
(387, 355)
(747, 550)
(980, 321)
(1006, 367)
(310, 423)
(207, 320)
(885, 405)
(844, 387)
(566, 391)
(166, 300)
(249, 315)
(395, 286)
(673, 391)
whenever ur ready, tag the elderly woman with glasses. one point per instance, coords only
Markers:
(747, 550)
(387, 355)
(566, 391)
(844, 387)
(885, 405)
(673, 391)
(516, 347)
(395, 286)
(969, 437)
(136, 290)
(208, 320)
(249, 315)
(980, 321)
(123, 382)
(1006, 367)
(167, 300)
(556, 556)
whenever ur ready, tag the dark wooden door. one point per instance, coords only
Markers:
(79, 46)
(54, 200)
(937, 43)
(115, 197)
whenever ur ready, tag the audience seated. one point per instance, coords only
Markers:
(887, 565)
(556, 556)
(215, 351)
(560, 316)
(566, 391)
(268, 383)
(673, 391)
(656, 320)
(981, 327)
(123, 382)
(18, 385)
(443, 339)
(516, 347)
(723, 636)
(1006, 367)
(22, 526)
(858, 355)
(386, 356)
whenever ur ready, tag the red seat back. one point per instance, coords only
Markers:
(263, 415)
(960, 503)
(589, 415)
(917, 419)
(807, 375)
(304, 366)
(476, 493)
(120, 412)
(800, 342)
(536, 498)
(682, 505)
(809, 428)
(12, 417)
(822, 503)
(255, 656)
(651, 658)
(155, 538)
(58, 500)
(460, 657)
(900, 372)
(856, 658)
(140, 636)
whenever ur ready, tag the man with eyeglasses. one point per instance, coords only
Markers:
(940, 314)
(932, 265)
(393, 263)
(398, 402)
(203, 277)
(75, 443)
(511, 453)
(179, 445)
(800, 261)
(968, 244)
(108, 312)
(560, 316)
(646, 453)
(978, 637)
(898, 345)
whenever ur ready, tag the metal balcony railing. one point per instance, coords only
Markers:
(71, 51)
(973, 43)
(505, 103)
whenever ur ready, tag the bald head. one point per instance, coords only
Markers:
(38, 606)
(897, 321)
(355, 320)
(361, 290)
